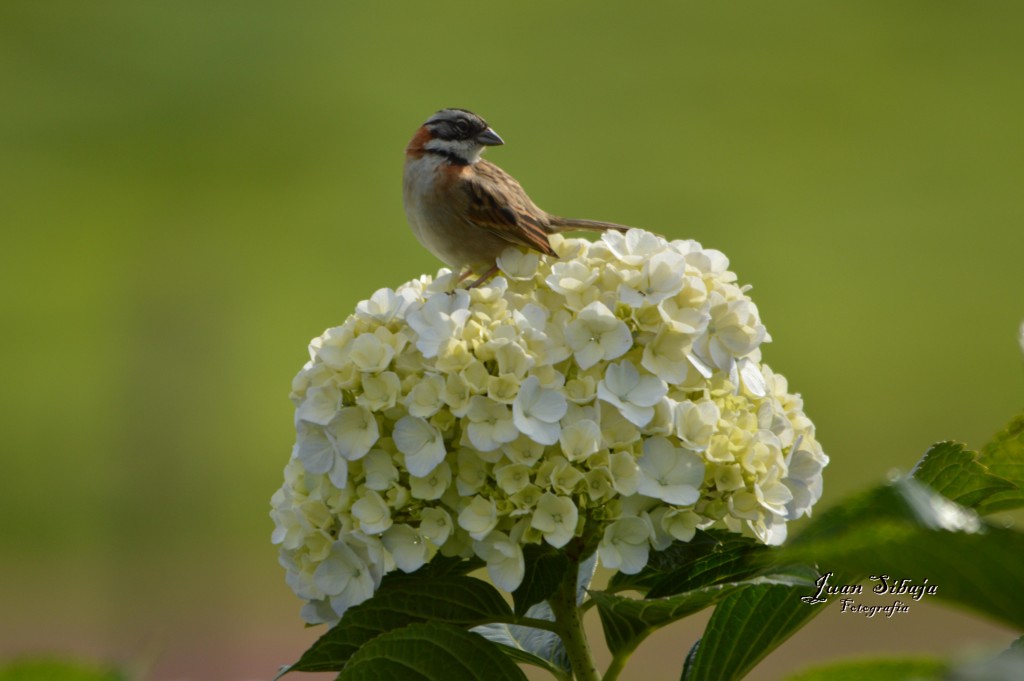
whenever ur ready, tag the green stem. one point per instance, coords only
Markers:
(546, 625)
(616, 667)
(569, 623)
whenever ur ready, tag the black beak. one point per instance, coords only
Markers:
(489, 138)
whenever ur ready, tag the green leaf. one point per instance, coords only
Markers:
(730, 560)
(456, 600)
(689, 565)
(430, 651)
(47, 669)
(745, 627)
(537, 647)
(627, 621)
(545, 567)
(1004, 456)
(906, 531)
(957, 474)
(899, 507)
(916, 669)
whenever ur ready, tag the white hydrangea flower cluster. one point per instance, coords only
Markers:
(615, 395)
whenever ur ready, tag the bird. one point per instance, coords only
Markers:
(466, 210)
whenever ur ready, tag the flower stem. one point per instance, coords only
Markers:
(569, 622)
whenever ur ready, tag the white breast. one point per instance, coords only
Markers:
(422, 209)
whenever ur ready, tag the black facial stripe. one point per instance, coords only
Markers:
(451, 156)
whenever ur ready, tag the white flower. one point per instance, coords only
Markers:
(513, 359)
(536, 411)
(379, 471)
(696, 423)
(667, 356)
(685, 312)
(556, 518)
(773, 495)
(681, 524)
(751, 378)
(728, 477)
(318, 454)
(490, 424)
(563, 476)
(421, 443)
(597, 334)
(372, 512)
(803, 464)
(633, 394)
(599, 483)
(625, 545)
(371, 354)
(734, 330)
(747, 508)
(353, 431)
(380, 391)
(344, 577)
(505, 563)
(472, 472)
(385, 305)
(479, 517)
(661, 278)
(433, 485)
(618, 390)
(407, 546)
(512, 477)
(518, 264)
(441, 318)
(625, 473)
(435, 525)
(669, 473)
(320, 406)
(580, 439)
(634, 247)
(424, 400)
(571, 276)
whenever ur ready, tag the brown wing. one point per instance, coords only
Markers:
(498, 204)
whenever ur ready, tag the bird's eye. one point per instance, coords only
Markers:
(462, 127)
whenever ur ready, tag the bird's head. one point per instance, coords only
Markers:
(457, 134)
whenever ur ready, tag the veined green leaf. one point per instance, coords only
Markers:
(957, 474)
(627, 621)
(730, 561)
(453, 599)
(903, 530)
(747, 625)
(912, 533)
(1004, 456)
(701, 561)
(430, 651)
(545, 567)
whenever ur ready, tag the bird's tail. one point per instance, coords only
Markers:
(560, 224)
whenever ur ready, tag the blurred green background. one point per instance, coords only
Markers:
(190, 191)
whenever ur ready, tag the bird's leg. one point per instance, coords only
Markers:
(484, 277)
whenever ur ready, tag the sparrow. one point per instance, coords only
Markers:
(466, 210)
